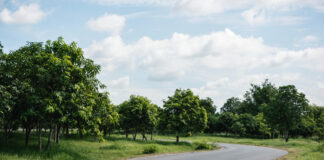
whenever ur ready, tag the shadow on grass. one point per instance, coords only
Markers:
(140, 141)
(16, 147)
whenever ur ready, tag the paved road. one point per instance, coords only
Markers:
(228, 152)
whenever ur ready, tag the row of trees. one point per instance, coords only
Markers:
(53, 87)
(282, 110)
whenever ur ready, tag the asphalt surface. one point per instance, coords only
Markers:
(227, 152)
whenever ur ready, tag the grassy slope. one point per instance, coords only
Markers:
(117, 147)
(300, 149)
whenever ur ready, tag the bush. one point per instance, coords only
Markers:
(204, 146)
(150, 149)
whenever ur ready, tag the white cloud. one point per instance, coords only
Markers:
(109, 23)
(236, 85)
(225, 61)
(254, 17)
(169, 59)
(255, 12)
(120, 83)
(309, 39)
(320, 85)
(26, 14)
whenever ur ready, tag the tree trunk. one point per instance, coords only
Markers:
(80, 133)
(144, 137)
(177, 139)
(151, 135)
(134, 136)
(286, 136)
(39, 137)
(55, 133)
(27, 131)
(126, 135)
(67, 130)
(57, 139)
(6, 134)
(49, 136)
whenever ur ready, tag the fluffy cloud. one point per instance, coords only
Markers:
(109, 23)
(169, 59)
(225, 62)
(26, 14)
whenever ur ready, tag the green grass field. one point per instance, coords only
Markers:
(300, 148)
(117, 147)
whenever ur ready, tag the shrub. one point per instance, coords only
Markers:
(204, 146)
(150, 149)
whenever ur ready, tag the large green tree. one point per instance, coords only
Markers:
(183, 113)
(286, 109)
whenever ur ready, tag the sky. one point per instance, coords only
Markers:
(217, 48)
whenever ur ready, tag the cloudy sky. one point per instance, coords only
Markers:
(151, 47)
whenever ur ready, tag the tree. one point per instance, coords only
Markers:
(104, 116)
(238, 128)
(257, 96)
(226, 120)
(263, 126)
(286, 109)
(249, 123)
(210, 108)
(183, 113)
(231, 105)
(138, 114)
(319, 131)
(47, 85)
(1, 47)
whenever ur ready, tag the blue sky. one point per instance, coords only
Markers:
(151, 47)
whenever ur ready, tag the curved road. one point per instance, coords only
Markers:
(227, 152)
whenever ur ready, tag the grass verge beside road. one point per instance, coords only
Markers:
(115, 148)
(299, 149)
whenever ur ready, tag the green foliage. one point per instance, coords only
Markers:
(1, 47)
(226, 120)
(138, 114)
(183, 114)
(319, 131)
(286, 109)
(150, 149)
(204, 146)
(231, 105)
(238, 128)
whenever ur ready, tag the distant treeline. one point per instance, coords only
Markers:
(52, 86)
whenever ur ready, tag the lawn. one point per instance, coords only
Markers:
(299, 148)
(116, 147)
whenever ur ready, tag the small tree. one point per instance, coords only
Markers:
(210, 108)
(183, 113)
(138, 114)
